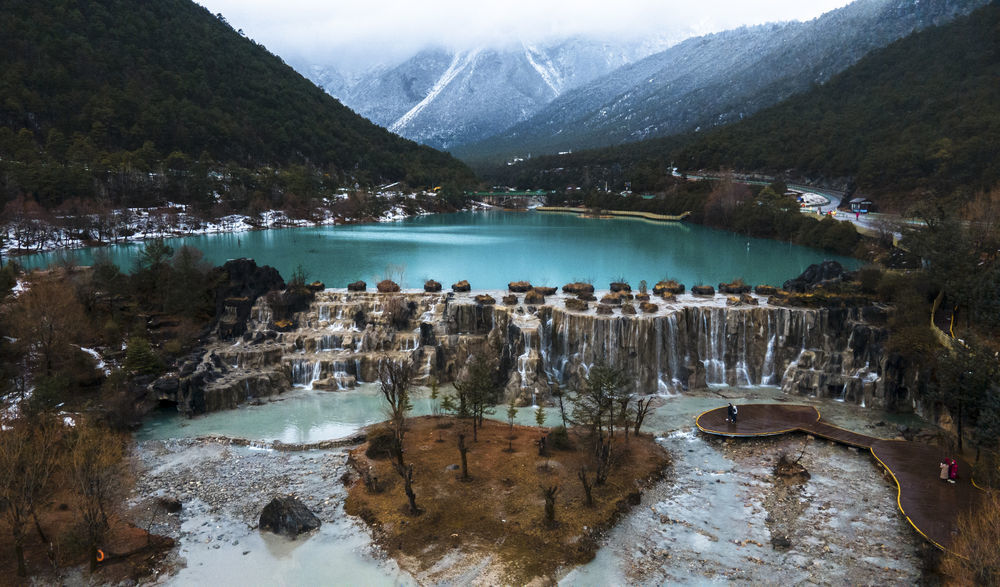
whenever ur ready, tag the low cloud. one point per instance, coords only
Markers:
(345, 32)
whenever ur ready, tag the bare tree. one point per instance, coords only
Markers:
(28, 458)
(641, 409)
(101, 473)
(395, 380)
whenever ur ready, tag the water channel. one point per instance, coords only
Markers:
(493, 248)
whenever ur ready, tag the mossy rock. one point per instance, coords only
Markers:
(461, 286)
(734, 288)
(612, 299)
(628, 309)
(432, 286)
(510, 300)
(765, 290)
(578, 287)
(733, 301)
(648, 307)
(586, 296)
(546, 291)
(357, 286)
(669, 296)
(618, 286)
(642, 297)
(576, 305)
(605, 309)
(534, 298)
(519, 286)
(387, 286)
(668, 286)
(749, 299)
(703, 290)
(316, 286)
(485, 300)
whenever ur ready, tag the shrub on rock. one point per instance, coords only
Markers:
(648, 307)
(605, 309)
(617, 286)
(578, 287)
(461, 286)
(485, 300)
(432, 286)
(576, 305)
(510, 300)
(628, 309)
(668, 286)
(611, 299)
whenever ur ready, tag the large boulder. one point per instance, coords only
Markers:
(357, 286)
(703, 290)
(576, 305)
(519, 286)
(546, 291)
(288, 516)
(432, 286)
(825, 273)
(485, 300)
(619, 286)
(461, 286)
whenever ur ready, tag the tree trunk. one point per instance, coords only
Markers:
(465, 461)
(38, 528)
(587, 486)
(22, 569)
(408, 488)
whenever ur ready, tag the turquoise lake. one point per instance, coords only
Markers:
(493, 248)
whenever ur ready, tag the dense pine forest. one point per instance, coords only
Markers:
(138, 103)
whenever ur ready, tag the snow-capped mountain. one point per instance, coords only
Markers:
(714, 79)
(445, 98)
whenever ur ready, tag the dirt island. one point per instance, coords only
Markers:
(495, 521)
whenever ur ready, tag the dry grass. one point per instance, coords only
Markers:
(975, 554)
(500, 511)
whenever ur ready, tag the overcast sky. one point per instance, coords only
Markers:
(339, 32)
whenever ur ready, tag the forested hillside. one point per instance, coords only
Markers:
(921, 114)
(714, 80)
(136, 101)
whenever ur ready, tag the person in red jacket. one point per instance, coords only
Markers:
(952, 470)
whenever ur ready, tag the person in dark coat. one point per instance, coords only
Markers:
(731, 411)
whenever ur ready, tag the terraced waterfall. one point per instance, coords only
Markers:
(688, 342)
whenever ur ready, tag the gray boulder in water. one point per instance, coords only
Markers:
(288, 516)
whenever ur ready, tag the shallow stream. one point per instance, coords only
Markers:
(710, 520)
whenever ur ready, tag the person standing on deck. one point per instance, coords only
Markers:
(731, 411)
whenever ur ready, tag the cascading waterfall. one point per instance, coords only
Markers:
(767, 371)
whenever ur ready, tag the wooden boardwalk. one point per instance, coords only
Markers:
(930, 505)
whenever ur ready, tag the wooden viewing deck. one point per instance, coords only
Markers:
(930, 505)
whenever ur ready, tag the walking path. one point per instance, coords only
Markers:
(930, 505)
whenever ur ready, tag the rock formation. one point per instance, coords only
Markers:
(683, 342)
